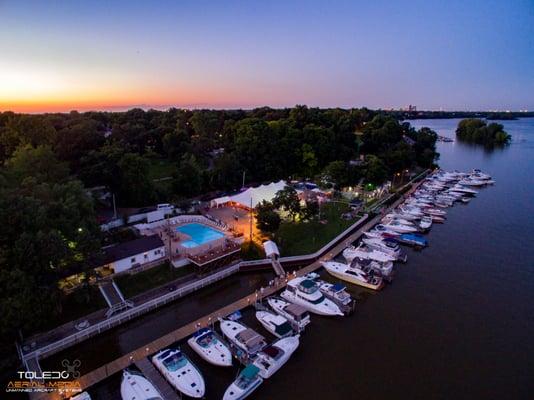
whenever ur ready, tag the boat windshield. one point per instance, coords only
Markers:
(175, 362)
(318, 300)
(206, 340)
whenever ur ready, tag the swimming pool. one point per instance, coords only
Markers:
(199, 234)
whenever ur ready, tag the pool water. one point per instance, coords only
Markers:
(199, 234)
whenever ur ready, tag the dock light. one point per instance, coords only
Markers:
(80, 230)
(147, 349)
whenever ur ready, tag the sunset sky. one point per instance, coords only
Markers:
(64, 55)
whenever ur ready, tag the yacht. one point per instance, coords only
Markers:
(385, 270)
(335, 292)
(425, 223)
(180, 372)
(87, 396)
(350, 253)
(134, 386)
(411, 210)
(297, 315)
(399, 227)
(385, 231)
(274, 323)
(306, 293)
(207, 344)
(271, 358)
(246, 382)
(385, 246)
(472, 182)
(353, 275)
(246, 339)
(463, 189)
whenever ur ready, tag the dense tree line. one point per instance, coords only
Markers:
(47, 220)
(474, 130)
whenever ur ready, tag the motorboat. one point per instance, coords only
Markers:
(350, 253)
(305, 292)
(412, 239)
(478, 174)
(416, 211)
(436, 219)
(463, 189)
(385, 246)
(87, 396)
(180, 372)
(276, 324)
(273, 357)
(473, 182)
(385, 231)
(353, 275)
(335, 292)
(297, 315)
(425, 223)
(400, 227)
(246, 382)
(209, 346)
(385, 270)
(246, 339)
(435, 211)
(134, 386)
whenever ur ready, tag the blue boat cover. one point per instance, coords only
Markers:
(338, 287)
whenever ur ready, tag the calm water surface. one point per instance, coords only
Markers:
(457, 322)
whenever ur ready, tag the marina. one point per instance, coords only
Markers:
(413, 208)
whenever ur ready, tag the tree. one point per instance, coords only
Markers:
(36, 162)
(267, 219)
(187, 180)
(376, 171)
(288, 200)
(475, 130)
(336, 172)
(135, 187)
(311, 210)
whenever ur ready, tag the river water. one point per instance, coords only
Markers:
(456, 323)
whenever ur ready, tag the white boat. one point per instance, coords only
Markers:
(246, 382)
(335, 292)
(385, 270)
(350, 253)
(435, 211)
(463, 189)
(135, 386)
(271, 358)
(274, 323)
(306, 293)
(180, 372)
(297, 315)
(384, 246)
(398, 226)
(352, 275)
(87, 396)
(210, 347)
(425, 223)
(473, 182)
(385, 231)
(243, 337)
(406, 208)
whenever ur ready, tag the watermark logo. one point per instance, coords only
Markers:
(63, 381)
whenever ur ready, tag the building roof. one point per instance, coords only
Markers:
(131, 248)
(251, 197)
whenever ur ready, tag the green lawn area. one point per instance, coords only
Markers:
(161, 168)
(131, 285)
(296, 238)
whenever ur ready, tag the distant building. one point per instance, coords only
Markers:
(133, 254)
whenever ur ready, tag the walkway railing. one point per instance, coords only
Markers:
(128, 314)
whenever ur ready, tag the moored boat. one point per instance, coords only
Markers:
(353, 275)
(246, 382)
(134, 386)
(297, 315)
(306, 293)
(273, 357)
(274, 323)
(207, 344)
(180, 372)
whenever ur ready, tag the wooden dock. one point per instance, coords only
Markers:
(153, 375)
(139, 356)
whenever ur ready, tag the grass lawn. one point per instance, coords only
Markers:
(161, 168)
(131, 285)
(296, 238)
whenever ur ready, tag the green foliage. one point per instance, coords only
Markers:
(474, 130)
(251, 251)
(187, 181)
(267, 219)
(288, 200)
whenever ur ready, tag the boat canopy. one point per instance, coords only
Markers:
(201, 332)
(296, 310)
(283, 329)
(250, 371)
(250, 338)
